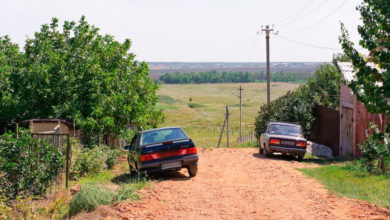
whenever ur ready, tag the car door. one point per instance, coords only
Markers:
(132, 157)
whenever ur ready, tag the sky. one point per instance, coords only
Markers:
(199, 30)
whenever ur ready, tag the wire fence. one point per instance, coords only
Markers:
(246, 137)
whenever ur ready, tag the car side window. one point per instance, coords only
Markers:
(134, 142)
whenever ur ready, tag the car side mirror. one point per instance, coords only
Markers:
(127, 147)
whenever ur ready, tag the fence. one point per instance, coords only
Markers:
(246, 137)
(62, 143)
(326, 128)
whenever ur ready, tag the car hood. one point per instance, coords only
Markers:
(280, 136)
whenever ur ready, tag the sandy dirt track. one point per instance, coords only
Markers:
(241, 184)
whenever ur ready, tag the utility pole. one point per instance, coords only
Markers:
(226, 121)
(227, 127)
(267, 31)
(240, 97)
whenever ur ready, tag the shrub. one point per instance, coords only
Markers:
(195, 105)
(297, 106)
(166, 99)
(92, 161)
(27, 166)
(89, 197)
(375, 150)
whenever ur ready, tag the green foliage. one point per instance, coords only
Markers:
(374, 150)
(297, 106)
(372, 83)
(27, 166)
(195, 105)
(232, 77)
(89, 197)
(92, 161)
(352, 181)
(77, 73)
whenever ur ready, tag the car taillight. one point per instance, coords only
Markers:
(191, 150)
(274, 141)
(147, 157)
(300, 144)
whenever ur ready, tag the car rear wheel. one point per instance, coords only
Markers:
(192, 170)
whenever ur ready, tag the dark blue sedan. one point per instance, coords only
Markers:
(162, 149)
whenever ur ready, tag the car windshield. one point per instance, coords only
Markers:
(285, 129)
(162, 135)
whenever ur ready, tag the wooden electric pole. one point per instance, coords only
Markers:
(240, 97)
(226, 121)
(267, 31)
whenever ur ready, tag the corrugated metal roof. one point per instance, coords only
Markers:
(349, 73)
(347, 70)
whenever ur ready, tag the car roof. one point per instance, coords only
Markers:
(283, 123)
(157, 129)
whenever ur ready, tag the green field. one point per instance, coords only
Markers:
(202, 118)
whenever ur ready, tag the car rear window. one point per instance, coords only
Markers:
(285, 129)
(162, 135)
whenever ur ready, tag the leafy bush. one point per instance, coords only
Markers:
(27, 166)
(89, 197)
(195, 105)
(92, 161)
(298, 106)
(375, 150)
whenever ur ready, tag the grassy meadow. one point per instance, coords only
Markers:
(200, 108)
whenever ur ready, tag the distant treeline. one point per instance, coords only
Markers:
(233, 77)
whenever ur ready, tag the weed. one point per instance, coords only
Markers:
(89, 198)
(195, 105)
(166, 99)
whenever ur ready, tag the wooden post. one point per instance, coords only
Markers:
(67, 162)
(220, 136)
(227, 127)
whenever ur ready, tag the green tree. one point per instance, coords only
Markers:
(372, 83)
(78, 73)
(11, 61)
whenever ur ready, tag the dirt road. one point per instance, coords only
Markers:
(240, 184)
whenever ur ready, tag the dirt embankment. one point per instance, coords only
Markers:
(240, 184)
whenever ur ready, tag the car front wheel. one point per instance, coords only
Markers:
(265, 152)
(192, 170)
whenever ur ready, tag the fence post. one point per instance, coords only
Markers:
(67, 162)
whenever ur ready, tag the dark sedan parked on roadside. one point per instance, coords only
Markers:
(285, 138)
(162, 149)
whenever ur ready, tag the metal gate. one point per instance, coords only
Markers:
(62, 143)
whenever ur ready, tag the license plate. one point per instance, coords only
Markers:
(288, 142)
(170, 165)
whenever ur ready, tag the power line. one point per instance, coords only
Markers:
(300, 10)
(307, 45)
(311, 11)
(298, 13)
(322, 19)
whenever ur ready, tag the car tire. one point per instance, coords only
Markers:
(265, 152)
(300, 157)
(132, 172)
(260, 150)
(192, 170)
